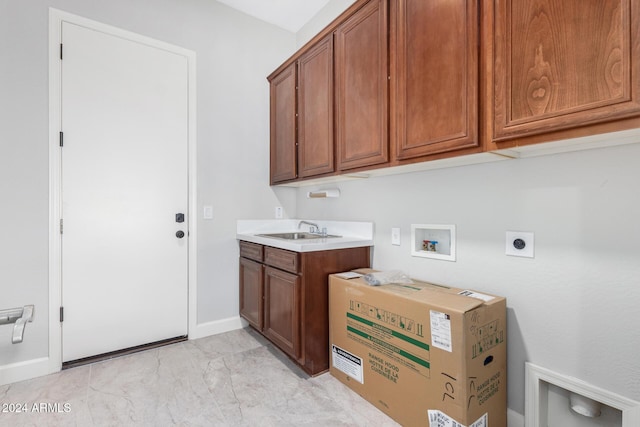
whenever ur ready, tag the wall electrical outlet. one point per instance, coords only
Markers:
(278, 212)
(395, 236)
(519, 243)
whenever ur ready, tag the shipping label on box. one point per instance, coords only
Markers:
(440, 419)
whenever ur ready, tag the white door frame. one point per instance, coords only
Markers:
(56, 17)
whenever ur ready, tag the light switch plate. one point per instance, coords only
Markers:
(207, 212)
(278, 212)
(519, 243)
(395, 236)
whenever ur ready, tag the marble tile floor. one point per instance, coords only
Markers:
(232, 379)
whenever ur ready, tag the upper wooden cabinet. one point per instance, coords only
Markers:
(562, 64)
(361, 61)
(434, 77)
(315, 110)
(393, 82)
(302, 143)
(283, 125)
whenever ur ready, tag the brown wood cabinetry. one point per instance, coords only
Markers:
(562, 64)
(302, 143)
(284, 295)
(361, 60)
(417, 80)
(283, 125)
(434, 77)
(405, 70)
(315, 110)
(282, 310)
(252, 292)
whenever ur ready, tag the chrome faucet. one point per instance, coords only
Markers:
(314, 229)
(314, 226)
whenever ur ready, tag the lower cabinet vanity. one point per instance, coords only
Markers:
(284, 295)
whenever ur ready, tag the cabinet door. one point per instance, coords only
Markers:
(251, 292)
(434, 76)
(559, 64)
(283, 125)
(282, 310)
(361, 88)
(315, 110)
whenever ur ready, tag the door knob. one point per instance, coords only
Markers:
(179, 234)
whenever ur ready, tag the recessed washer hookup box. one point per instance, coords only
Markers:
(425, 354)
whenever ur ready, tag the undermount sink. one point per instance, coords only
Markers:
(296, 236)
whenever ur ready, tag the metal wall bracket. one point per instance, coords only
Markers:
(19, 317)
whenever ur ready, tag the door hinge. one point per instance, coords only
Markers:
(61, 314)
(61, 139)
(60, 51)
(61, 225)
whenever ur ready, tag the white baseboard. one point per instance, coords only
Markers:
(25, 370)
(514, 419)
(217, 327)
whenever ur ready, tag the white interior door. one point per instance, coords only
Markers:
(124, 178)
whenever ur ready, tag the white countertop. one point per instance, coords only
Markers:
(352, 234)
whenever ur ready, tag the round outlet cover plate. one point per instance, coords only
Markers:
(519, 243)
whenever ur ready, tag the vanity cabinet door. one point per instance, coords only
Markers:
(560, 64)
(282, 310)
(252, 292)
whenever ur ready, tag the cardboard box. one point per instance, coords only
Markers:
(426, 355)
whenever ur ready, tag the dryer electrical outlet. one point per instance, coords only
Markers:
(519, 243)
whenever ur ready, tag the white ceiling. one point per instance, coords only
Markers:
(288, 14)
